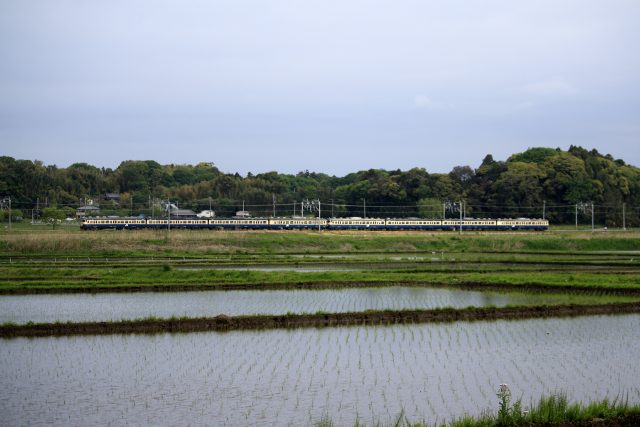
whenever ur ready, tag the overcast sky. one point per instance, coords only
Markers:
(328, 86)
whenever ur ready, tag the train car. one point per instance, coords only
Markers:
(522, 224)
(297, 223)
(469, 224)
(113, 224)
(478, 224)
(178, 223)
(451, 224)
(413, 224)
(356, 224)
(239, 223)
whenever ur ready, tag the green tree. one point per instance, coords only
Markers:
(53, 215)
(430, 208)
(518, 189)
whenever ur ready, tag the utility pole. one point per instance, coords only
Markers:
(576, 216)
(332, 209)
(319, 217)
(444, 211)
(9, 213)
(460, 206)
(544, 208)
(364, 208)
(169, 220)
(592, 220)
(624, 217)
(273, 195)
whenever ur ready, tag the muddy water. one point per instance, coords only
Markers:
(117, 306)
(294, 377)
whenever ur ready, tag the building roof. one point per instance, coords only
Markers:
(182, 212)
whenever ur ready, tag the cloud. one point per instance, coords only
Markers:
(422, 101)
(524, 105)
(552, 87)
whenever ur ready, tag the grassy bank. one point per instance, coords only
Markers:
(384, 317)
(28, 279)
(60, 243)
(553, 410)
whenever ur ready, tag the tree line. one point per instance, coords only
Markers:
(559, 185)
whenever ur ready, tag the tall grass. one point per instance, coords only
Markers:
(550, 410)
(43, 241)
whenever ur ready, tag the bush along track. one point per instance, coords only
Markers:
(386, 317)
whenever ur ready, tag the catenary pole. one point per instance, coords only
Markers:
(460, 206)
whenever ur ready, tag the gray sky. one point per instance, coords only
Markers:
(328, 86)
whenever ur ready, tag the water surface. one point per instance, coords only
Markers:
(117, 306)
(294, 377)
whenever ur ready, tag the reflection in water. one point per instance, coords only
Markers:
(294, 377)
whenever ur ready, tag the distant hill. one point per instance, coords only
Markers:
(538, 181)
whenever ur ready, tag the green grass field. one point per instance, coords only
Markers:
(36, 257)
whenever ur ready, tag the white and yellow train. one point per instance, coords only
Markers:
(469, 224)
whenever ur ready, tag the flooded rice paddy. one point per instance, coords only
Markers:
(432, 372)
(50, 308)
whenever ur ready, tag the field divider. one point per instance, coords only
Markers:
(258, 286)
(252, 322)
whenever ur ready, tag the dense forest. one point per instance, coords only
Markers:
(559, 185)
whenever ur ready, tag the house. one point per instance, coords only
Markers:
(88, 210)
(182, 213)
(176, 212)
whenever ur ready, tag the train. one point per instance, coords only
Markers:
(418, 224)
